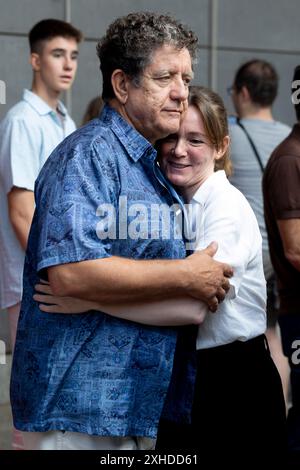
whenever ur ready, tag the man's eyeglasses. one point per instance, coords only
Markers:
(230, 90)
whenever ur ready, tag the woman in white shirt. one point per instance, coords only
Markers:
(237, 384)
(238, 401)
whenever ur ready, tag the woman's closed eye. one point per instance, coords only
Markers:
(196, 142)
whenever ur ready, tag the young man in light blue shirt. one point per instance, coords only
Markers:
(28, 134)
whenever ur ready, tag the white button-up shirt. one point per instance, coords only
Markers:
(221, 213)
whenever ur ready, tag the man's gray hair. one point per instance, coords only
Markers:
(131, 40)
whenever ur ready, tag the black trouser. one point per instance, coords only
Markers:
(238, 407)
(290, 335)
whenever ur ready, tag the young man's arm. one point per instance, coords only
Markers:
(20, 164)
(21, 209)
(105, 280)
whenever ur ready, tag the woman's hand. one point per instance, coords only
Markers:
(168, 312)
(45, 296)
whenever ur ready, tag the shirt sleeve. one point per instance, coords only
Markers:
(72, 186)
(231, 223)
(19, 154)
(284, 190)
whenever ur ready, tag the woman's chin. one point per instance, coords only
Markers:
(176, 180)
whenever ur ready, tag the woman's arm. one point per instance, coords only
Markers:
(167, 312)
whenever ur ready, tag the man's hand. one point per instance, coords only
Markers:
(208, 280)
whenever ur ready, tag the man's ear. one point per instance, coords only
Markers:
(120, 81)
(245, 93)
(35, 62)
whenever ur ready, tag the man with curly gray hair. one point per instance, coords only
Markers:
(136, 53)
(98, 380)
(129, 45)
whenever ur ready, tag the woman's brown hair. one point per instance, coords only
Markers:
(93, 109)
(214, 116)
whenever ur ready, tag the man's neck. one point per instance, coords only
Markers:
(263, 114)
(51, 98)
(121, 109)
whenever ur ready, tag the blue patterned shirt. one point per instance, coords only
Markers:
(90, 372)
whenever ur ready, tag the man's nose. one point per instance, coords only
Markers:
(180, 90)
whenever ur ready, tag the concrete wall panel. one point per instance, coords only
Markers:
(88, 83)
(18, 16)
(259, 24)
(201, 68)
(15, 70)
(93, 16)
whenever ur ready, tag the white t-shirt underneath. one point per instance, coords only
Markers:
(221, 213)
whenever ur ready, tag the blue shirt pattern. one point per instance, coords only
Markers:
(91, 373)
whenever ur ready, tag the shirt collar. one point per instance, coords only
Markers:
(218, 178)
(40, 105)
(135, 144)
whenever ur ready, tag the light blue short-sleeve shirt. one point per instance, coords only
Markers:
(28, 134)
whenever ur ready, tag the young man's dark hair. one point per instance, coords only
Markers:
(131, 40)
(49, 29)
(261, 80)
(297, 101)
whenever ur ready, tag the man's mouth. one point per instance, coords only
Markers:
(176, 111)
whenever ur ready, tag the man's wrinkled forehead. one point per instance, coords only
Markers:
(168, 57)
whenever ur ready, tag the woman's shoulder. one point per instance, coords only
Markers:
(226, 201)
(222, 192)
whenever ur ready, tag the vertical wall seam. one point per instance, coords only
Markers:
(68, 16)
(213, 67)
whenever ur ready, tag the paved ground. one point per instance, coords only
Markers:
(5, 412)
(5, 427)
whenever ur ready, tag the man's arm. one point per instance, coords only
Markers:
(108, 279)
(289, 230)
(21, 209)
